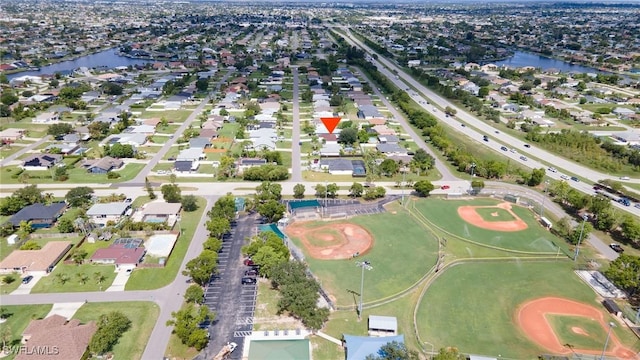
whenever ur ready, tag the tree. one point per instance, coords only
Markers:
(267, 258)
(8, 98)
(218, 226)
(225, 208)
(624, 272)
(78, 256)
(24, 230)
(450, 111)
(272, 210)
(98, 129)
(202, 267)
(321, 191)
(6, 334)
(449, 353)
(599, 204)
(65, 225)
(186, 322)
(423, 187)
(202, 85)
(477, 185)
(82, 278)
(147, 185)
(574, 236)
(171, 193)
(389, 167)
(356, 190)
(213, 244)
(79, 196)
(189, 203)
(537, 175)
(394, 351)
(422, 160)
(194, 294)
(630, 228)
(59, 129)
(110, 88)
(99, 277)
(110, 328)
(268, 191)
(21, 198)
(298, 191)
(118, 150)
(348, 136)
(332, 190)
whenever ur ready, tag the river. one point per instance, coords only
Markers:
(522, 59)
(108, 58)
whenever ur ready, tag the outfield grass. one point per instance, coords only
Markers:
(154, 278)
(143, 317)
(472, 306)
(487, 214)
(443, 214)
(402, 253)
(18, 320)
(596, 334)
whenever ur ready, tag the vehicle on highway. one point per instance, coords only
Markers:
(27, 279)
(625, 178)
(624, 201)
(513, 150)
(575, 179)
(463, 125)
(485, 138)
(248, 281)
(523, 158)
(564, 177)
(552, 169)
(636, 206)
(527, 145)
(617, 248)
(503, 148)
(444, 187)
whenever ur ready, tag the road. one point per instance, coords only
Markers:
(24, 150)
(296, 167)
(475, 129)
(139, 180)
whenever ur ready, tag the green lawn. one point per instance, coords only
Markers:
(472, 306)
(415, 249)
(8, 288)
(19, 318)
(52, 283)
(76, 176)
(154, 278)
(143, 317)
(443, 214)
(595, 334)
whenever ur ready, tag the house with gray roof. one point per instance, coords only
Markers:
(200, 142)
(337, 166)
(368, 112)
(191, 154)
(330, 148)
(391, 149)
(103, 165)
(102, 213)
(41, 161)
(40, 215)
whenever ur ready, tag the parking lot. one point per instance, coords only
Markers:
(233, 302)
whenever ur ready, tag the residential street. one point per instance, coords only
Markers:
(24, 150)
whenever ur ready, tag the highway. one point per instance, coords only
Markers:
(475, 129)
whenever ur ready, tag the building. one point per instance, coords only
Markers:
(47, 118)
(41, 161)
(123, 252)
(100, 214)
(359, 347)
(103, 165)
(383, 325)
(35, 261)
(65, 339)
(40, 215)
(245, 163)
(160, 211)
(11, 134)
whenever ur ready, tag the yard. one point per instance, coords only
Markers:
(18, 320)
(76, 175)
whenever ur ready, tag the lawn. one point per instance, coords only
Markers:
(52, 283)
(143, 317)
(19, 318)
(76, 176)
(9, 288)
(154, 278)
(592, 340)
(453, 314)
(443, 214)
(415, 249)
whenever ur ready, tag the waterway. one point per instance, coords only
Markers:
(522, 59)
(107, 58)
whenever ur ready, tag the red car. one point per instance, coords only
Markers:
(248, 262)
(444, 187)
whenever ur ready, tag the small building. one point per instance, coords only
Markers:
(40, 215)
(186, 166)
(47, 118)
(102, 213)
(383, 325)
(160, 211)
(68, 338)
(119, 254)
(359, 347)
(245, 163)
(330, 148)
(612, 307)
(391, 149)
(41, 161)
(11, 134)
(103, 165)
(35, 261)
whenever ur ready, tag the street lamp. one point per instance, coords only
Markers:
(473, 172)
(584, 219)
(363, 265)
(606, 342)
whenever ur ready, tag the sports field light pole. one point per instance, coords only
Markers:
(575, 257)
(473, 170)
(606, 342)
(363, 265)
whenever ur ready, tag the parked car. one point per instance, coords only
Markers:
(248, 262)
(252, 272)
(617, 248)
(248, 281)
(27, 279)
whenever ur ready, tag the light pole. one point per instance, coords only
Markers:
(473, 171)
(584, 219)
(606, 342)
(363, 265)
(544, 197)
(404, 172)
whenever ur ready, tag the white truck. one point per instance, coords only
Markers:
(225, 351)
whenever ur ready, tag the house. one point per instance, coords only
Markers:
(103, 165)
(186, 166)
(41, 161)
(61, 339)
(191, 154)
(388, 139)
(343, 167)
(35, 261)
(383, 130)
(368, 112)
(413, 63)
(160, 211)
(65, 148)
(623, 112)
(391, 149)
(147, 130)
(175, 102)
(383, 325)
(134, 140)
(246, 163)
(40, 215)
(631, 138)
(359, 347)
(200, 143)
(47, 118)
(121, 253)
(330, 148)
(11, 135)
(102, 213)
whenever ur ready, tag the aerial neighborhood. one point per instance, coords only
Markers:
(294, 181)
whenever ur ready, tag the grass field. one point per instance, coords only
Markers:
(133, 341)
(463, 308)
(443, 214)
(595, 333)
(76, 175)
(52, 283)
(402, 253)
(495, 214)
(18, 320)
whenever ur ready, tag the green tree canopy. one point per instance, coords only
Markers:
(80, 196)
(423, 187)
(202, 267)
(110, 327)
(171, 193)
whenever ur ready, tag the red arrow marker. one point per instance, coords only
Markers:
(330, 123)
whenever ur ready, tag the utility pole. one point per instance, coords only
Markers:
(363, 265)
(575, 257)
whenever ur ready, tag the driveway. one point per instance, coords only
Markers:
(122, 276)
(26, 288)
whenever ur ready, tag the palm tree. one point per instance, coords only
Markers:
(83, 278)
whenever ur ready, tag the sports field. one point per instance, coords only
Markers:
(402, 253)
(444, 214)
(474, 306)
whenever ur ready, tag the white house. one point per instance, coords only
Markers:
(47, 118)
(102, 213)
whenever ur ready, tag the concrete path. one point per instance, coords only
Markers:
(118, 284)
(330, 338)
(65, 309)
(26, 288)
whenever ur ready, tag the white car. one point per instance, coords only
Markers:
(513, 151)
(564, 177)
(553, 170)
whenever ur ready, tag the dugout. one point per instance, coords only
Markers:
(303, 206)
(612, 307)
(383, 325)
